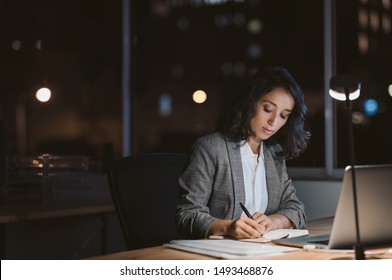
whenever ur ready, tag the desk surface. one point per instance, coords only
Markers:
(321, 226)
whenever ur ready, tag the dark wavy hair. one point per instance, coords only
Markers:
(236, 125)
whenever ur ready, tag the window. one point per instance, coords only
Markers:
(215, 46)
(189, 59)
(364, 44)
(74, 48)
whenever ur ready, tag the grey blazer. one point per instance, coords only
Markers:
(212, 186)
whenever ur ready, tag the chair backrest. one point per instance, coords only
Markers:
(144, 189)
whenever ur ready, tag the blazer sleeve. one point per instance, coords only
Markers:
(193, 217)
(281, 186)
(290, 205)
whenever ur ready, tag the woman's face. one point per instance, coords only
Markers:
(272, 113)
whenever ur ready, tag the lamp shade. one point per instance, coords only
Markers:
(341, 86)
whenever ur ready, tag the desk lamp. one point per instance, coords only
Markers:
(347, 88)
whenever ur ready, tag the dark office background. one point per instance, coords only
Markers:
(74, 48)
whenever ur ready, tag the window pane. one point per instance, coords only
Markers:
(364, 45)
(180, 49)
(74, 48)
(183, 47)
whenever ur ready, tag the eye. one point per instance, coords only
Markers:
(284, 116)
(267, 109)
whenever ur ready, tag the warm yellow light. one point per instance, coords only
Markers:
(255, 26)
(43, 94)
(199, 96)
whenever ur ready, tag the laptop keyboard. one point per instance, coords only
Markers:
(324, 242)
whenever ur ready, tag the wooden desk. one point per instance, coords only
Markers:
(322, 226)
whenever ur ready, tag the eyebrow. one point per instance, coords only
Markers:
(267, 101)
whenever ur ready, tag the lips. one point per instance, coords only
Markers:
(268, 131)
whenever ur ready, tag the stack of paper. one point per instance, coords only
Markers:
(228, 248)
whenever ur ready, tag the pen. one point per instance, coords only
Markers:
(246, 211)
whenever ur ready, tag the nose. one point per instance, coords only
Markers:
(273, 120)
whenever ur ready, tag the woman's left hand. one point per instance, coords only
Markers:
(272, 222)
(265, 222)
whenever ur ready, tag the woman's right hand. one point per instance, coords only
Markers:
(243, 227)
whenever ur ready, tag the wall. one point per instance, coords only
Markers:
(320, 197)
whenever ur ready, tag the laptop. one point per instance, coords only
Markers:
(374, 201)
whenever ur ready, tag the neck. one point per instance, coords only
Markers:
(254, 145)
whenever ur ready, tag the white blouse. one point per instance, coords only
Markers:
(256, 194)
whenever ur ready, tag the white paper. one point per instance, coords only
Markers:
(227, 248)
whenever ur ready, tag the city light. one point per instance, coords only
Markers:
(43, 94)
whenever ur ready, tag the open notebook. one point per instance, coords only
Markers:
(374, 197)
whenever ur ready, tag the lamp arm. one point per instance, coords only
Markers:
(359, 250)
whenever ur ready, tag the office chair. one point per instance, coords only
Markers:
(144, 189)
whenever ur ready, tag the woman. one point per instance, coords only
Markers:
(244, 162)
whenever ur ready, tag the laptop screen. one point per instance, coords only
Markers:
(374, 201)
